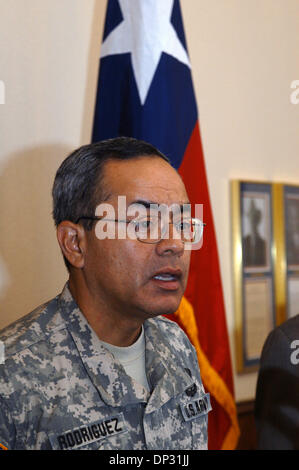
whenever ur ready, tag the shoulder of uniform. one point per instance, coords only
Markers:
(169, 332)
(166, 325)
(27, 330)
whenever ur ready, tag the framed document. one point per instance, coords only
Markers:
(258, 312)
(293, 295)
(253, 270)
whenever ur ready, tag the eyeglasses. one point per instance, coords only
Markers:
(151, 229)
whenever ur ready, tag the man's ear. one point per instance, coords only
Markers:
(72, 241)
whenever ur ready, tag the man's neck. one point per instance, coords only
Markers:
(110, 326)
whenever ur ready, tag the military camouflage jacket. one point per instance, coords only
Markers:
(60, 388)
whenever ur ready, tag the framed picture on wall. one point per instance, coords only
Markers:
(293, 295)
(256, 231)
(291, 230)
(258, 315)
(292, 226)
(254, 288)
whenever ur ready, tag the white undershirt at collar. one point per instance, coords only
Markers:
(132, 358)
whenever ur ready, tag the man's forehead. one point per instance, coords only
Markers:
(147, 179)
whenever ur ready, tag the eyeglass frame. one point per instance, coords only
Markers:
(203, 224)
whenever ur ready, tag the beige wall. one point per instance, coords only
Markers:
(244, 55)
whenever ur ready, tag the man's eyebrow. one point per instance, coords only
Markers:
(147, 204)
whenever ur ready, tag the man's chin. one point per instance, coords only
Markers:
(164, 308)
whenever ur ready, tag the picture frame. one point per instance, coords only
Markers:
(291, 203)
(256, 232)
(291, 232)
(293, 295)
(266, 270)
(254, 268)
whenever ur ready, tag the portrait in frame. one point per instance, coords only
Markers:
(291, 231)
(254, 293)
(256, 231)
(292, 227)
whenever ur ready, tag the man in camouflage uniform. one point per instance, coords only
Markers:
(98, 367)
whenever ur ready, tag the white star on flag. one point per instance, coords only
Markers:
(145, 32)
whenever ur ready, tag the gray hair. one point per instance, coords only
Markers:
(77, 188)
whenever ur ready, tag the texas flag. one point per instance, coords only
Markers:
(145, 91)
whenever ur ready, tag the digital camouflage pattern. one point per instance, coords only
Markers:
(60, 388)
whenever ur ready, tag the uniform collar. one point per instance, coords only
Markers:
(116, 388)
(107, 374)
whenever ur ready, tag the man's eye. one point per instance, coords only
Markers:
(185, 225)
(144, 224)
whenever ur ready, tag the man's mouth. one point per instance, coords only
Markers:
(168, 279)
(165, 277)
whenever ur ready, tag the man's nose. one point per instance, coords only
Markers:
(170, 246)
